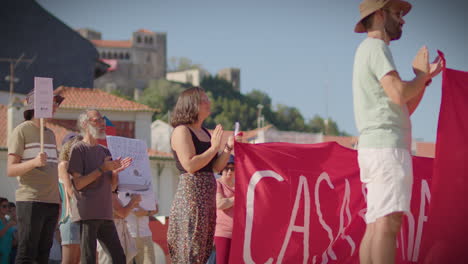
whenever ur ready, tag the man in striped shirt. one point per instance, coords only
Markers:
(37, 196)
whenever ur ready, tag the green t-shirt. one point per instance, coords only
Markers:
(380, 122)
(39, 184)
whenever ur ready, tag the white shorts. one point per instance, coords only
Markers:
(388, 175)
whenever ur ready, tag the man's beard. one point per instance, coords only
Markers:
(94, 131)
(393, 29)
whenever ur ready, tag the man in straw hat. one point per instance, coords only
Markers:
(37, 196)
(382, 106)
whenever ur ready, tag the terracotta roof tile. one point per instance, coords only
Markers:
(145, 31)
(83, 98)
(348, 142)
(3, 125)
(112, 43)
(425, 149)
(155, 153)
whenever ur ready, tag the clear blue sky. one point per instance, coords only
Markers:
(289, 49)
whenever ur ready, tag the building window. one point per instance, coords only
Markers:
(115, 55)
(138, 39)
(109, 55)
(121, 56)
(127, 56)
(150, 40)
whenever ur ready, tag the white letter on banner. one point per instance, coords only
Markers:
(292, 227)
(256, 177)
(425, 194)
(324, 176)
(346, 200)
(410, 218)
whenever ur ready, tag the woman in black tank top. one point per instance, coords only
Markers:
(193, 214)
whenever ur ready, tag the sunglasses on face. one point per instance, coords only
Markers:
(4, 206)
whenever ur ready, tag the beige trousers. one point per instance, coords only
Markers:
(145, 250)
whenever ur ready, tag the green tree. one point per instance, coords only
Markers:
(330, 127)
(182, 64)
(288, 118)
(162, 94)
(227, 111)
(219, 87)
(120, 94)
(259, 97)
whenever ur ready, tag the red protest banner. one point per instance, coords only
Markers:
(446, 239)
(306, 204)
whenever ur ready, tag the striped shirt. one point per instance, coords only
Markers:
(41, 183)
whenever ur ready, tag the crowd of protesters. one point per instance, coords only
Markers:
(69, 198)
(68, 203)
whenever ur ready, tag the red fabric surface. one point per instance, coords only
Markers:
(277, 183)
(446, 235)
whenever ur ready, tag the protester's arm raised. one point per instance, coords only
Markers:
(411, 92)
(223, 158)
(399, 91)
(435, 68)
(81, 181)
(16, 168)
(182, 143)
(124, 163)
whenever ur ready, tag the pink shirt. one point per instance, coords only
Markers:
(224, 217)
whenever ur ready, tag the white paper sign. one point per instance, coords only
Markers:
(43, 97)
(236, 128)
(137, 177)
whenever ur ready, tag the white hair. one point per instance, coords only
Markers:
(83, 119)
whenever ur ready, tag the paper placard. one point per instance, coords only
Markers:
(43, 97)
(137, 177)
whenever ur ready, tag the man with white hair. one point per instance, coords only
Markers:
(95, 176)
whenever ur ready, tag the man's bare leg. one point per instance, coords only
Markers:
(366, 245)
(384, 238)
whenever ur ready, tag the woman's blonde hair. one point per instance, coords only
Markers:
(67, 147)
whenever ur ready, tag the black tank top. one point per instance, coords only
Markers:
(200, 147)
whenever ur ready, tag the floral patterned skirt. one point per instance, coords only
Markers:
(192, 220)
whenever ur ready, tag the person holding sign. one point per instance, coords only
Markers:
(192, 219)
(37, 195)
(95, 176)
